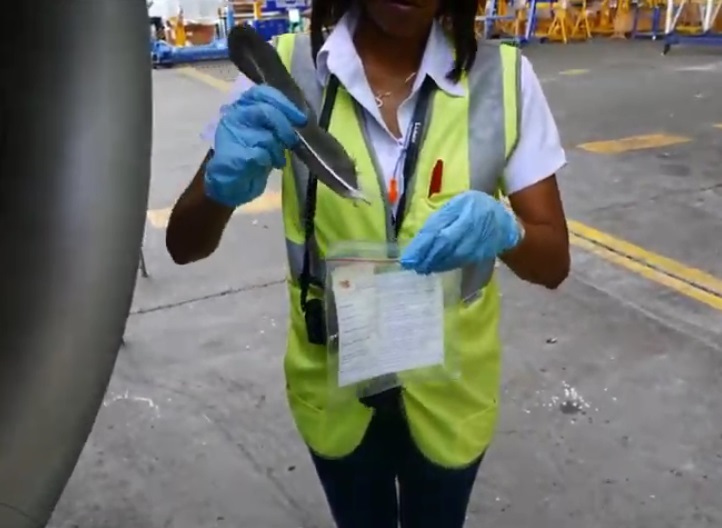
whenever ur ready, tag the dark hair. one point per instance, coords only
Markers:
(457, 16)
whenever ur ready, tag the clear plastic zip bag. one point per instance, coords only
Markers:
(386, 326)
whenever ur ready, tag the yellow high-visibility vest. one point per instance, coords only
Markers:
(451, 421)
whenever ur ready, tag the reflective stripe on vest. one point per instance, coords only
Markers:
(451, 421)
(493, 143)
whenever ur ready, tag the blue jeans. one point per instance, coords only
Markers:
(362, 488)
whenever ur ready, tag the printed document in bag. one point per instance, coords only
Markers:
(388, 322)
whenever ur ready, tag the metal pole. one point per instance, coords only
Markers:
(75, 139)
(668, 28)
(143, 267)
(708, 11)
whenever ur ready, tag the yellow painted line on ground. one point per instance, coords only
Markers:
(691, 282)
(579, 71)
(270, 201)
(648, 141)
(718, 125)
(651, 274)
(210, 80)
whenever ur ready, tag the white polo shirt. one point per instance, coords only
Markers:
(538, 153)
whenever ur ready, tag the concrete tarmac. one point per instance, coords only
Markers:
(612, 399)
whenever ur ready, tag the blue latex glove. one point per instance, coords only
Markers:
(250, 140)
(471, 227)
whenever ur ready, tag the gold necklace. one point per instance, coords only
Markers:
(380, 96)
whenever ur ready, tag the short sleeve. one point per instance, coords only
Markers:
(539, 152)
(240, 85)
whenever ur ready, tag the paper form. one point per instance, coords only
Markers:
(410, 319)
(353, 291)
(387, 322)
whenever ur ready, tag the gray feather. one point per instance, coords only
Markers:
(324, 155)
(318, 150)
(258, 61)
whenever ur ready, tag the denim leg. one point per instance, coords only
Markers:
(361, 487)
(432, 496)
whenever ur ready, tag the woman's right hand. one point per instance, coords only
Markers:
(251, 139)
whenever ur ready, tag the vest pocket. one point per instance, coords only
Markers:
(477, 431)
(438, 200)
(331, 432)
(419, 211)
(475, 277)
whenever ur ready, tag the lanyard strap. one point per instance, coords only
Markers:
(415, 138)
(310, 210)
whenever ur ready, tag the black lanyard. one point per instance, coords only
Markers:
(313, 309)
(324, 120)
(417, 129)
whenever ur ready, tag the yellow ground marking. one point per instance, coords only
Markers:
(693, 283)
(579, 71)
(210, 80)
(718, 125)
(270, 201)
(616, 146)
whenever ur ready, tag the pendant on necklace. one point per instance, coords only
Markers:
(379, 97)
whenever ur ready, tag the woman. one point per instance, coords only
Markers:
(489, 126)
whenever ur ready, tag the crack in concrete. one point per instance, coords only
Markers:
(670, 324)
(654, 198)
(292, 505)
(208, 297)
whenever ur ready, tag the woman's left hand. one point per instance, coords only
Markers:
(471, 227)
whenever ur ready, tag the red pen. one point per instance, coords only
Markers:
(437, 175)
